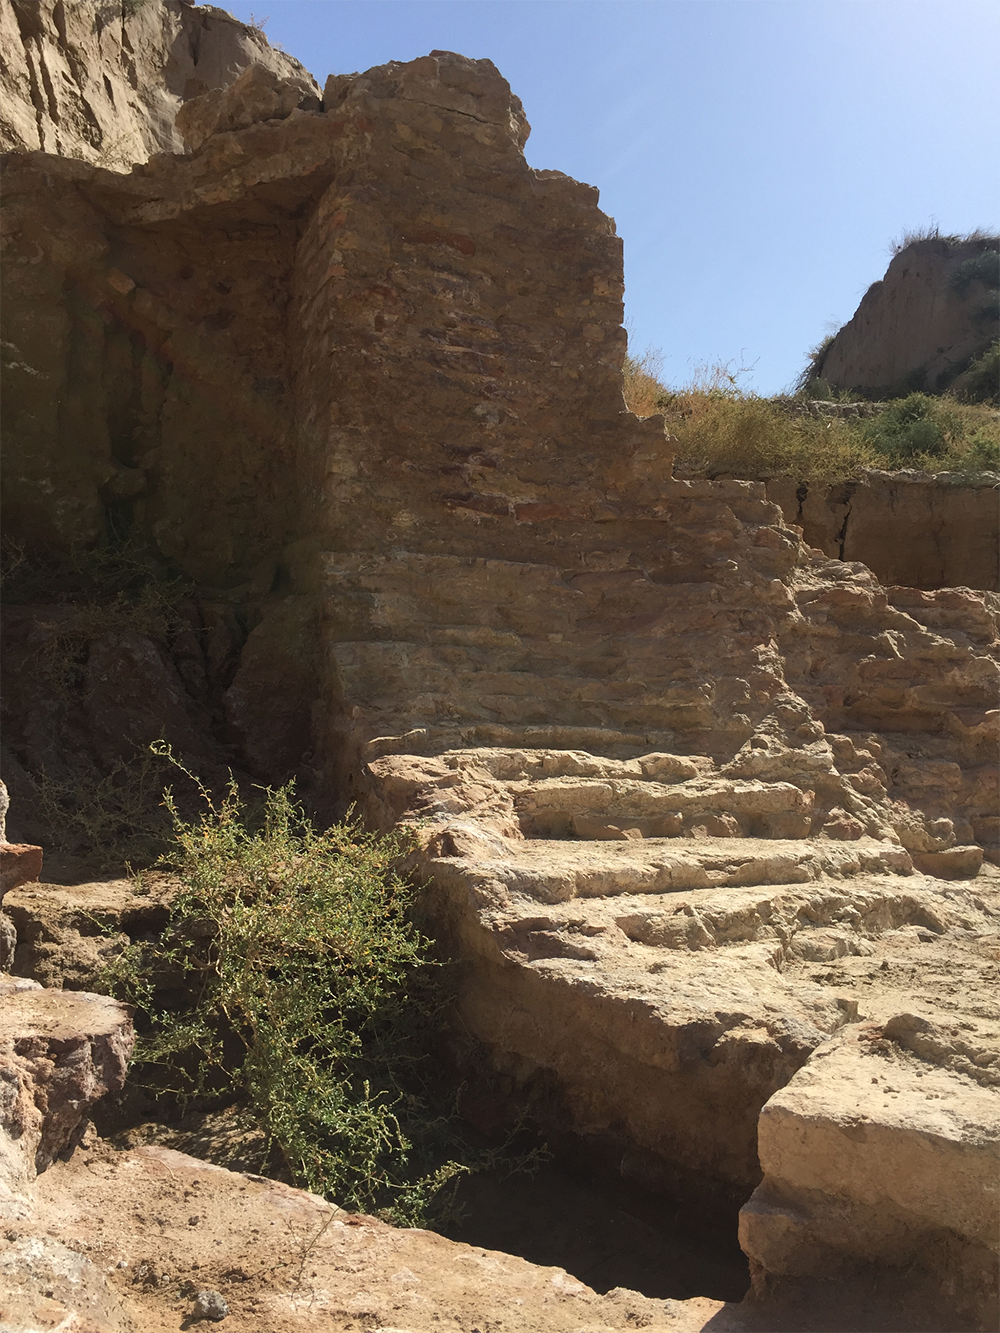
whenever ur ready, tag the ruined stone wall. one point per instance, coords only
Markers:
(684, 789)
(197, 348)
(471, 309)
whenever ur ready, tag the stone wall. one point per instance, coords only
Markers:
(215, 356)
(355, 371)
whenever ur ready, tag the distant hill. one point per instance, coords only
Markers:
(923, 326)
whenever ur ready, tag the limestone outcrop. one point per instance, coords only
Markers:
(923, 324)
(876, 1156)
(106, 83)
(81, 1248)
(59, 1053)
(280, 1259)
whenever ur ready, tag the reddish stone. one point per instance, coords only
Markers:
(20, 863)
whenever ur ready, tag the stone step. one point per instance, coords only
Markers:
(618, 808)
(488, 737)
(964, 612)
(554, 871)
(509, 764)
(476, 648)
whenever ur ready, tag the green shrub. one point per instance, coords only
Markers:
(291, 978)
(983, 453)
(907, 429)
(110, 821)
(817, 390)
(981, 381)
(985, 315)
(720, 429)
(115, 587)
(984, 268)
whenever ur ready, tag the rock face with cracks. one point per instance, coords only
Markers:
(917, 529)
(703, 811)
(107, 84)
(59, 1052)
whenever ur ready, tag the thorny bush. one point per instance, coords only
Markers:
(306, 991)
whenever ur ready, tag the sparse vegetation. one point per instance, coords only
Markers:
(114, 586)
(980, 383)
(932, 232)
(300, 986)
(983, 267)
(722, 429)
(116, 819)
(810, 384)
(645, 394)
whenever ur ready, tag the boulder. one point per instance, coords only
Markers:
(875, 1157)
(59, 1052)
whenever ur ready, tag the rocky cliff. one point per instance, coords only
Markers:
(104, 82)
(696, 804)
(923, 324)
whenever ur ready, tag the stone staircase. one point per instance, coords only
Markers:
(690, 802)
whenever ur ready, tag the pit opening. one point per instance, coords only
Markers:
(606, 1232)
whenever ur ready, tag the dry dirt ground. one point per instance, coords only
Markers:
(124, 1242)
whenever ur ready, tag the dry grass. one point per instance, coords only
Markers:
(932, 232)
(645, 393)
(723, 430)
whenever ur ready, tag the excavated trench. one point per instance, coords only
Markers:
(919, 529)
(573, 1213)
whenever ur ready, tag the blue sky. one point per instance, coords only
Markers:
(758, 156)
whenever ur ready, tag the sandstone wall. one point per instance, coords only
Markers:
(104, 82)
(919, 327)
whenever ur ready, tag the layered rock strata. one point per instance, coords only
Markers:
(59, 1053)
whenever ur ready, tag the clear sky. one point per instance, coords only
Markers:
(758, 156)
